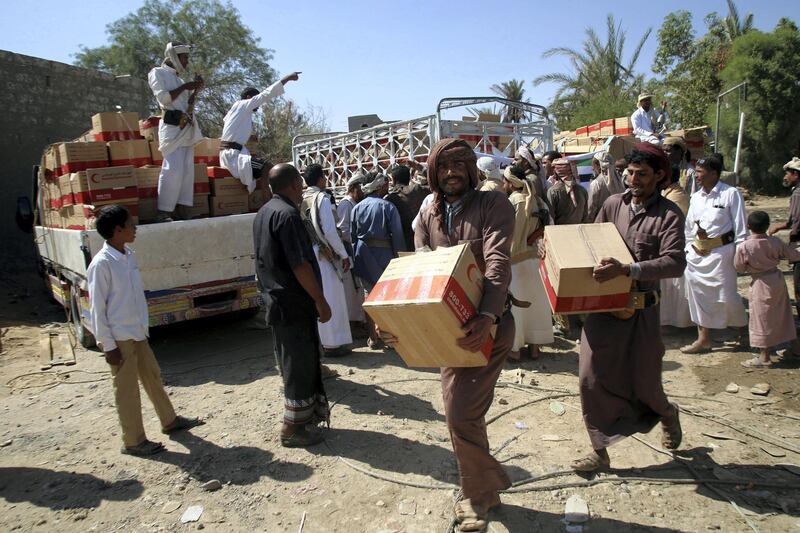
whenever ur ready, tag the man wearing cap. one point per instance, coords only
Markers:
(178, 132)
(344, 211)
(715, 224)
(646, 127)
(377, 237)
(237, 129)
(568, 201)
(676, 151)
(792, 179)
(621, 352)
(490, 174)
(525, 159)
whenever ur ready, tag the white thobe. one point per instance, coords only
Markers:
(714, 300)
(354, 297)
(428, 200)
(176, 180)
(643, 129)
(336, 331)
(238, 127)
(116, 296)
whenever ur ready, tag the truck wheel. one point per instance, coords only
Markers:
(83, 335)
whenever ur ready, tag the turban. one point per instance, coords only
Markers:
(489, 168)
(525, 153)
(375, 184)
(644, 96)
(794, 164)
(517, 183)
(449, 149)
(675, 141)
(357, 179)
(662, 161)
(171, 53)
(563, 168)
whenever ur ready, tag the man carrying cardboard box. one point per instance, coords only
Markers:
(485, 220)
(237, 129)
(177, 132)
(621, 352)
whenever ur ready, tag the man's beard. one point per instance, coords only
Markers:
(457, 189)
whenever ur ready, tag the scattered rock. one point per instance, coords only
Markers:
(380, 503)
(520, 425)
(6, 443)
(733, 388)
(502, 401)
(192, 514)
(408, 507)
(350, 371)
(170, 506)
(80, 515)
(211, 485)
(576, 510)
(761, 389)
(200, 526)
(554, 438)
(558, 408)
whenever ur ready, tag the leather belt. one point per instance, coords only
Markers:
(706, 245)
(226, 145)
(172, 117)
(377, 243)
(644, 299)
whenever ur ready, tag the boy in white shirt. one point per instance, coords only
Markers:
(120, 323)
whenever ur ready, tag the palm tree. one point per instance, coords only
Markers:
(732, 26)
(599, 67)
(513, 90)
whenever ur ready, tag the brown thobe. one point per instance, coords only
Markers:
(563, 209)
(407, 199)
(794, 236)
(486, 222)
(621, 360)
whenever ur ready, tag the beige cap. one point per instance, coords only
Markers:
(794, 164)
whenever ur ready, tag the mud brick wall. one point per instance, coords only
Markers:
(42, 102)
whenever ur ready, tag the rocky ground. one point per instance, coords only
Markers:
(387, 465)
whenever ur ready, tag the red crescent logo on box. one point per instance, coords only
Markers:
(94, 179)
(470, 269)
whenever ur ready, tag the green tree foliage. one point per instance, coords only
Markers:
(226, 53)
(769, 63)
(513, 90)
(602, 84)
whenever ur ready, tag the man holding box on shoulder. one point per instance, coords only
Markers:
(621, 352)
(178, 132)
(485, 220)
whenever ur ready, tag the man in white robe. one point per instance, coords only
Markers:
(354, 296)
(334, 262)
(176, 180)
(237, 129)
(715, 224)
(646, 126)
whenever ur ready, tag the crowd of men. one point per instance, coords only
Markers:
(318, 256)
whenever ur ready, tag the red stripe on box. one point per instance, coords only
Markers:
(623, 131)
(202, 188)
(457, 300)
(103, 195)
(136, 162)
(117, 135)
(219, 172)
(212, 161)
(81, 197)
(148, 192)
(580, 304)
(77, 166)
(55, 203)
(67, 199)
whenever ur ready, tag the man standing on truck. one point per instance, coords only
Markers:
(237, 129)
(289, 281)
(178, 132)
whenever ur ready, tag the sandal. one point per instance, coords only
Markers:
(144, 448)
(302, 439)
(470, 517)
(494, 503)
(671, 432)
(181, 423)
(695, 348)
(591, 463)
(755, 362)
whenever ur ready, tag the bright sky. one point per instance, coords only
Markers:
(396, 59)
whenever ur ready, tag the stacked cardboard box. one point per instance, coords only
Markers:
(207, 152)
(623, 126)
(74, 157)
(149, 128)
(202, 191)
(228, 195)
(155, 154)
(135, 153)
(115, 126)
(607, 128)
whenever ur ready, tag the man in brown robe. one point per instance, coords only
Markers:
(621, 353)
(568, 200)
(485, 220)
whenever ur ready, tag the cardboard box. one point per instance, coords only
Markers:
(51, 192)
(147, 180)
(256, 199)
(135, 153)
(148, 128)
(621, 145)
(83, 216)
(607, 128)
(52, 162)
(218, 172)
(200, 208)
(424, 299)
(229, 204)
(112, 185)
(227, 186)
(65, 190)
(201, 182)
(594, 130)
(148, 209)
(207, 152)
(488, 117)
(75, 157)
(582, 132)
(115, 126)
(571, 253)
(155, 153)
(623, 126)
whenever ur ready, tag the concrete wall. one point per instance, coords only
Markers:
(42, 102)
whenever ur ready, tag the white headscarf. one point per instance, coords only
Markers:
(609, 171)
(171, 53)
(490, 168)
(374, 185)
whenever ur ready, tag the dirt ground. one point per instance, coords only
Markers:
(387, 465)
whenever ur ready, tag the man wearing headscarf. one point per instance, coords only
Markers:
(491, 177)
(237, 129)
(377, 236)
(621, 352)
(646, 126)
(525, 159)
(676, 150)
(485, 220)
(178, 132)
(715, 224)
(344, 211)
(791, 179)
(407, 198)
(568, 201)
(533, 323)
(605, 184)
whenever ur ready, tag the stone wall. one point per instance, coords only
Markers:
(42, 102)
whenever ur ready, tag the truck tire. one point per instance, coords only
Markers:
(83, 335)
